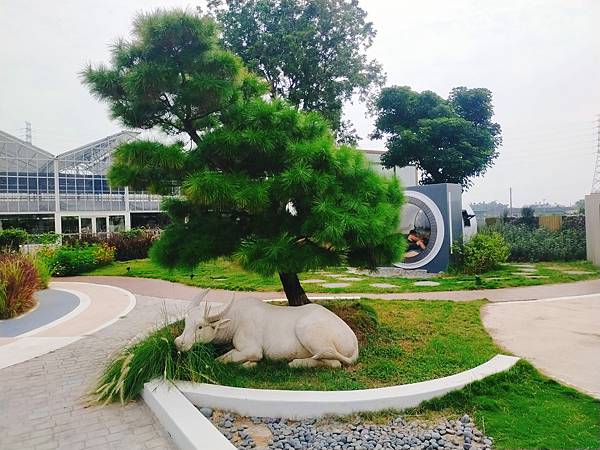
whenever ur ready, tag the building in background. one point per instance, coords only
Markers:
(408, 176)
(68, 193)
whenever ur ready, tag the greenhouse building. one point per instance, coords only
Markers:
(68, 193)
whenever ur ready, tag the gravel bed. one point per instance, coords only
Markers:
(330, 434)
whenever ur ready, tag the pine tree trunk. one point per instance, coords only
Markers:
(293, 290)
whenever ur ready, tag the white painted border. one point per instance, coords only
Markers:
(441, 230)
(185, 424)
(304, 404)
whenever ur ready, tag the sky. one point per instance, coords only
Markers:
(540, 59)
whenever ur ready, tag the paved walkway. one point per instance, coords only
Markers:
(560, 337)
(43, 400)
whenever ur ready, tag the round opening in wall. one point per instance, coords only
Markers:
(422, 223)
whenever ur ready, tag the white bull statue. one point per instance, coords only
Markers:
(306, 336)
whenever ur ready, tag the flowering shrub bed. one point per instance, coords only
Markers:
(73, 260)
(128, 245)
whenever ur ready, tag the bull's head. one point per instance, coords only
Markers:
(202, 322)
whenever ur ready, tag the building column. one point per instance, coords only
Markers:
(127, 210)
(57, 220)
(592, 227)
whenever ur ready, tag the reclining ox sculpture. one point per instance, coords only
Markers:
(307, 336)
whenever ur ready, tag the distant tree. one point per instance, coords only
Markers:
(528, 217)
(311, 52)
(493, 207)
(450, 140)
(263, 181)
(580, 206)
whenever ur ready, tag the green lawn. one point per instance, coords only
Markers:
(412, 341)
(225, 274)
(523, 409)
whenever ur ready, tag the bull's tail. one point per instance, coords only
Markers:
(332, 353)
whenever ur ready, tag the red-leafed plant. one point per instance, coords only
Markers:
(19, 279)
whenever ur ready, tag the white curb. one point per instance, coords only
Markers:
(185, 424)
(305, 404)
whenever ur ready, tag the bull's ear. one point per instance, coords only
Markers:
(199, 297)
(220, 324)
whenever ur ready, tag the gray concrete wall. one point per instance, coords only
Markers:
(408, 176)
(592, 227)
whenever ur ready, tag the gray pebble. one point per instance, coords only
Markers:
(206, 412)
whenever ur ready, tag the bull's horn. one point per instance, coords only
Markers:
(220, 314)
(199, 297)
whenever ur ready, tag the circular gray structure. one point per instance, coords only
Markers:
(433, 215)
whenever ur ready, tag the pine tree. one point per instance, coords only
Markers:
(263, 182)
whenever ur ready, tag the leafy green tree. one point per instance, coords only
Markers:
(311, 52)
(450, 140)
(263, 182)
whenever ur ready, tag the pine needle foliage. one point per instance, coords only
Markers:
(263, 182)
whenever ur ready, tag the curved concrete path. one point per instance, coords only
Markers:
(560, 336)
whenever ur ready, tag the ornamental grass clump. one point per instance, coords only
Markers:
(19, 280)
(154, 357)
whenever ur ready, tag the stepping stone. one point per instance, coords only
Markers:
(577, 272)
(335, 285)
(314, 280)
(426, 283)
(527, 269)
(350, 279)
(383, 285)
(536, 276)
(333, 275)
(531, 266)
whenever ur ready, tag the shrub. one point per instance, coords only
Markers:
(12, 239)
(485, 251)
(44, 239)
(133, 244)
(576, 223)
(73, 260)
(541, 244)
(19, 281)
